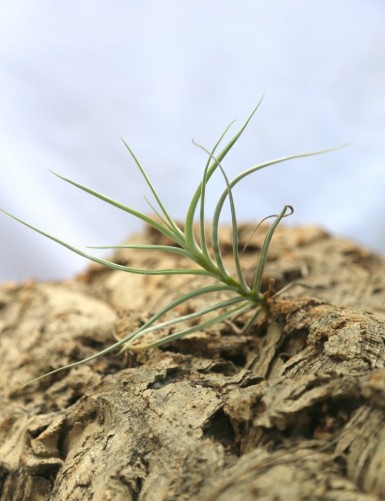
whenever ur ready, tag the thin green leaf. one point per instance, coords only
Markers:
(255, 168)
(241, 277)
(252, 319)
(265, 247)
(172, 223)
(100, 353)
(215, 233)
(255, 229)
(195, 200)
(189, 223)
(121, 342)
(161, 218)
(165, 340)
(150, 221)
(189, 316)
(115, 266)
(163, 248)
(202, 215)
(177, 335)
(176, 302)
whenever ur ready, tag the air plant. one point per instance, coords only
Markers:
(203, 252)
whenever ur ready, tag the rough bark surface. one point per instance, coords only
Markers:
(294, 410)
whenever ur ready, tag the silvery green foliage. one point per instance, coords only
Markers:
(206, 258)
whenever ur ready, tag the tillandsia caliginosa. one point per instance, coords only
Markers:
(203, 252)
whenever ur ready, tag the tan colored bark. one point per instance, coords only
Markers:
(293, 410)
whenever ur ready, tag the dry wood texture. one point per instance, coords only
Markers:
(294, 410)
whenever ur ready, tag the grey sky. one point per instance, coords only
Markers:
(76, 76)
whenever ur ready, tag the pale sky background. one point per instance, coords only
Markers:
(76, 76)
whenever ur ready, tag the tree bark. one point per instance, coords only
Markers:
(292, 410)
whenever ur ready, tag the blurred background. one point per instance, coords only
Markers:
(76, 76)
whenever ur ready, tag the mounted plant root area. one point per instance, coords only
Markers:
(291, 409)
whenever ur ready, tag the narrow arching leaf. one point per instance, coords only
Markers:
(204, 325)
(255, 229)
(215, 232)
(241, 277)
(189, 224)
(115, 266)
(152, 247)
(176, 302)
(214, 165)
(123, 341)
(184, 318)
(150, 221)
(160, 203)
(287, 210)
(255, 168)
(161, 218)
